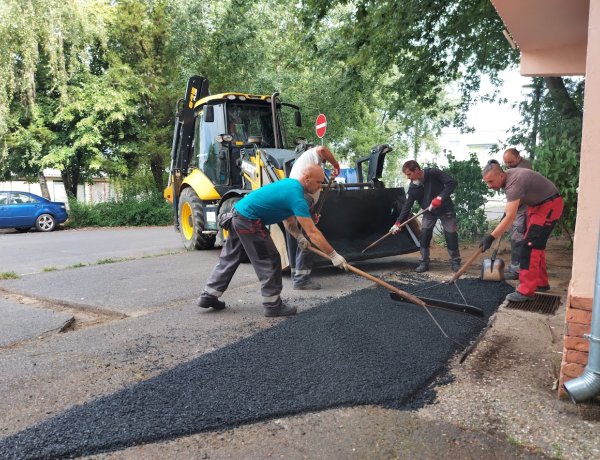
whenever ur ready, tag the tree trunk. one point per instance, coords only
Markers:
(157, 167)
(43, 185)
(561, 97)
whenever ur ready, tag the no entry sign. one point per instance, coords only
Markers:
(321, 126)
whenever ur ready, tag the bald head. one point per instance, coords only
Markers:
(312, 178)
(511, 158)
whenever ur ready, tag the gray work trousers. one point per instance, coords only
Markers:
(252, 237)
(516, 233)
(450, 226)
(301, 262)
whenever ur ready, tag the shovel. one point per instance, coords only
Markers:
(399, 227)
(493, 269)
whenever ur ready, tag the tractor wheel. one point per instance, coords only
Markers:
(191, 222)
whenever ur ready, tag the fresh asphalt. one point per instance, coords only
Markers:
(138, 379)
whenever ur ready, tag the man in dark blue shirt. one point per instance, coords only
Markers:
(431, 188)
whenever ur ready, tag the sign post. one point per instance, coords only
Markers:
(321, 126)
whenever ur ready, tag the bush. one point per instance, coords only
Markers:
(470, 197)
(130, 212)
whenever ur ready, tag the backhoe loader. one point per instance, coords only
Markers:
(226, 145)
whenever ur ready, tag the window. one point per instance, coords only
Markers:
(21, 198)
(3, 198)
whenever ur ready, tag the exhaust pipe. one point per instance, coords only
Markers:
(587, 385)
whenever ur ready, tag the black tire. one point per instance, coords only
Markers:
(45, 223)
(191, 222)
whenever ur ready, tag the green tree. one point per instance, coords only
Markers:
(550, 128)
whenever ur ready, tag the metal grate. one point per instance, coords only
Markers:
(542, 303)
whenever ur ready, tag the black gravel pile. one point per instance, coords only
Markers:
(360, 349)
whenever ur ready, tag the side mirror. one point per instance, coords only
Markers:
(209, 113)
(298, 118)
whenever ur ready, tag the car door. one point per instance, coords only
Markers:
(4, 200)
(22, 210)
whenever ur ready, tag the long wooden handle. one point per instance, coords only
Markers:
(466, 265)
(411, 298)
(375, 243)
(389, 233)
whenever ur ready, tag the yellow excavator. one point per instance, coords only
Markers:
(226, 145)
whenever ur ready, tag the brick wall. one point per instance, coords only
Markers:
(578, 319)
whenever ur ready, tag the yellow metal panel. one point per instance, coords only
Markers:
(202, 185)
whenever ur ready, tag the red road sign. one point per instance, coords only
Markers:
(321, 126)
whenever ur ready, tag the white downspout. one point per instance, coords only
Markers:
(587, 385)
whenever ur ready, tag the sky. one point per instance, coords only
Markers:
(491, 121)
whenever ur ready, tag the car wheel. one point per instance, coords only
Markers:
(45, 223)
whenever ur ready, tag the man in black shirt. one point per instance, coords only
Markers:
(431, 188)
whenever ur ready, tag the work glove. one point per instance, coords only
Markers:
(338, 260)
(303, 243)
(486, 242)
(395, 228)
(436, 202)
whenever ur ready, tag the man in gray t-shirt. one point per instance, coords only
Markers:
(513, 159)
(544, 208)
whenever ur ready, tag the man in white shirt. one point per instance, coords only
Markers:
(301, 260)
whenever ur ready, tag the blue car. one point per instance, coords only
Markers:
(23, 210)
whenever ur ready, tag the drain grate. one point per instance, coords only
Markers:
(542, 303)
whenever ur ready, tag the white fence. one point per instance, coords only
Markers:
(99, 190)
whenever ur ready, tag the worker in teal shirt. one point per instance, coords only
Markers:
(280, 201)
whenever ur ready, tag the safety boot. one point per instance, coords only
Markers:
(309, 285)
(518, 297)
(422, 267)
(210, 301)
(455, 264)
(281, 310)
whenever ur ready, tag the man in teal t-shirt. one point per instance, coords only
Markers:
(271, 204)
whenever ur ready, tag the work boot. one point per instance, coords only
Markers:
(511, 273)
(455, 264)
(309, 285)
(281, 310)
(543, 288)
(518, 297)
(423, 267)
(210, 301)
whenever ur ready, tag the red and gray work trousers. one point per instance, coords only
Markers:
(252, 238)
(541, 220)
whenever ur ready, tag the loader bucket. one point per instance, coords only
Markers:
(353, 218)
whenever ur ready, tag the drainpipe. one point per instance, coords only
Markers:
(587, 385)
